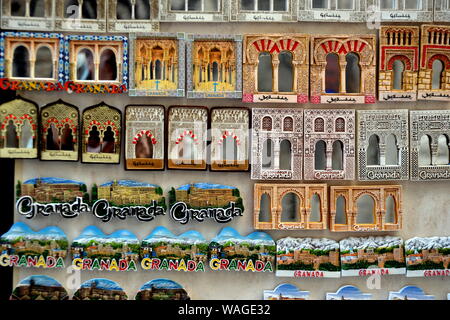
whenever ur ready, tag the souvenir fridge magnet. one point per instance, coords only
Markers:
(366, 208)
(162, 289)
(100, 289)
(410, 293)
(32, 61)
(429, 145)
(95, 251)
(162, 250)
(194, 10)
(399, 63)
(157, 66)
(306, 257)
(383, 145)
(349, 293)
(230, 139)
(102, 129)
(276, 68)
(434, 74)
(329, 144)
(60, 132)
(187, 137)
(400, 10)
(144, 137)
(19, 129)
(263, 11)
(81, 15)
(96, 63)
(343, 69)
(286, 291)
(132, 16)
(372, 255)
(39, 287)
(28, 15)
(290, 206)
(427, 257)
(332, 11)
(49, 195)
(23, 247)
(214, 66)
(127, 198)
(200, 201)
(232, 252)
(277, 144)
(441, 11)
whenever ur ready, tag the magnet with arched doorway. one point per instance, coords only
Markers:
(19, 129)
(101, 136)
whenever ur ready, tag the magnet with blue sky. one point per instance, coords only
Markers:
(97, 251)
(163, 250)
(308, 258)
(100, 289)
(21, 246)
(39, 287)
(428, 257)
(286, 291)
(205, 201)
(410, 293)
(231, 251)
(162, 289)
(348, 293)
(372, 255)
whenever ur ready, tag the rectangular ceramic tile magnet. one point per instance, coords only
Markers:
(442, 10)
(332, 10)
(28, 15)
(194, 10)
(400, 10)
(157, 66)
(133, 16)
(263, 11)
(81, 15)
(230, 139)
(144, 137)
(187, 138)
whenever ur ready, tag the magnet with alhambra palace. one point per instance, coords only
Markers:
(101, 138)
(343, 69)
(19, 129)
(230, 139)
(276, 68)
(39, 287)
(348, 293)
(187, 138)
(286, 291)
(410, 293)
(28, 15)
(132, 16)
(144, 137)
(60, 131)
(100, 289)
(214, 66)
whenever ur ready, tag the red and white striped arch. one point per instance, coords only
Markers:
(186, 133)
(267, 45)
(144, 133)
(339, 47)
(228, 134)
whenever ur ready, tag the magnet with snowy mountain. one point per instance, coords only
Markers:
(372, 255)
(96, 251)
(307, 257)
(100, 289)
(39, 287)
(162, 289)
(410, 293)
(286, 291)
(205, 201)
(162, 250)
(128, 198)
(47, 196)
(231, 251)
(348, 293)
(23, 247)
(428, 257)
